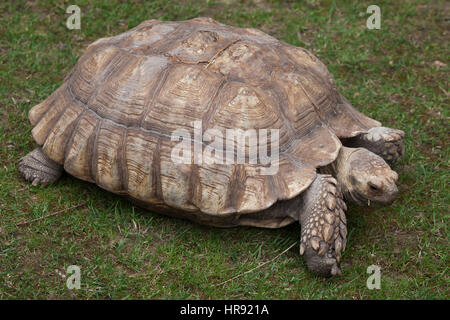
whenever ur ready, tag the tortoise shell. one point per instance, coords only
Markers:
(111, 121)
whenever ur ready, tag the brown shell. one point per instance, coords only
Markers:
(110, 122)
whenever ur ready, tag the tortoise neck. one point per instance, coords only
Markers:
(339, 168)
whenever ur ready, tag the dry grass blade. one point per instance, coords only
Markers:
(24, 223)
(259, 266)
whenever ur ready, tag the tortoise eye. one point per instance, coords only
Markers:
(373, 187)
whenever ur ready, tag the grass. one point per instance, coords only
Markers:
(398, 75)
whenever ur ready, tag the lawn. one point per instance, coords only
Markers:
(398, 75)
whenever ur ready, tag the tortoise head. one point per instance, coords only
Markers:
(368, 178)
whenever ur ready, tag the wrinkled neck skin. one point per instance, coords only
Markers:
(340, 169)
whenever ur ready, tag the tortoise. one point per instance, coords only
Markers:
(112, 123)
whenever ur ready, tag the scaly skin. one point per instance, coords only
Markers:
(323, 226)
(37, 168)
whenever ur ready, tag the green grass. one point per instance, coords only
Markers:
(124, 252)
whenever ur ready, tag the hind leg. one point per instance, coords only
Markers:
(37, 168)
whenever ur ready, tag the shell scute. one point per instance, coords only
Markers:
(140, 165)
(184, 97)
(107, 165)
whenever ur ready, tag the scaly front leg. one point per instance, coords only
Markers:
(388, 143)
(323, 226)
